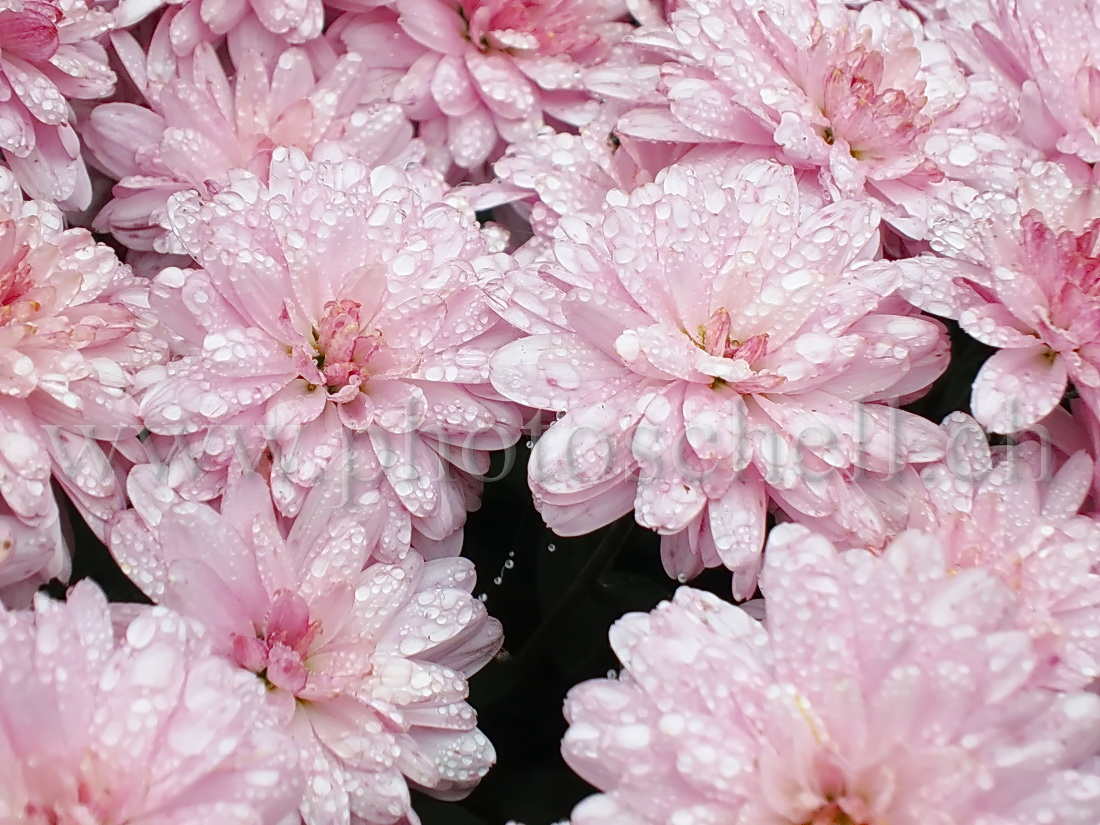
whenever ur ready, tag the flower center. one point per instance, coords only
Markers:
(341, 351)
(1067, 266)
(832, 814)
(68, 799)
(517, 26)
(713, 337)
(847, 79)
(278, 653)
(16, 283)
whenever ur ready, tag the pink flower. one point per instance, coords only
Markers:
(713, 341)
(479, 71)
(571, 174)
(201, 124)
(1003, 514)
(1009, 512)
(149, 729)
(340, 316)
(73, 330)
(1023, 275)
(876, 690)
(48, 56)
(859, 94)
(366, 667)
(1049, 57)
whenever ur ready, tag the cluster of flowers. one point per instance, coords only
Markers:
(272, 379)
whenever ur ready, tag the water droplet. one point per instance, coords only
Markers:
(508, 565)
(497, 580)
(550, 548)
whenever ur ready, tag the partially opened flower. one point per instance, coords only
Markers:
(366, 664)
(151, 729)
(569, 175)
(1005, 514)
(482, 71)
(712, 342)
(876, 690)
(1049, 56)
(1016, 512)
(1022, 275)
(73, 329)
(343, 316)
(860, 94)
(49, 55)
(201, 123)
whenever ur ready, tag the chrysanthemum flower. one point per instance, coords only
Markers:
(571, 174)
(486, 70)
(711, 343)
(366, 667)
(1023, 275)
(1049, 57)
(48, 55)
(1010, 512)
(859, 94)
(559, 174)
(341, 310)
(150, 730)
(73, 329)
(876, 690)
(200, 124)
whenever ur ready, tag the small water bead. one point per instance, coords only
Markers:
(550, 548)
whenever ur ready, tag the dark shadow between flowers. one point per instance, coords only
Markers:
(556, 601)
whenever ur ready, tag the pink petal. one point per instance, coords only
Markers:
(1015, 388)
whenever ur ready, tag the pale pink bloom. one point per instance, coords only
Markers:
(341, 316)
(859, 94)
(1010, 514)
(1016, 512)
(1048, 54)
(201, 123)
(151, 729)
(876, 690)
(567, 174)
(1022, 275)
(482, 71)
(710, 343)
(561, 174)
(74, 328)
(49, 55)
(366, 668)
